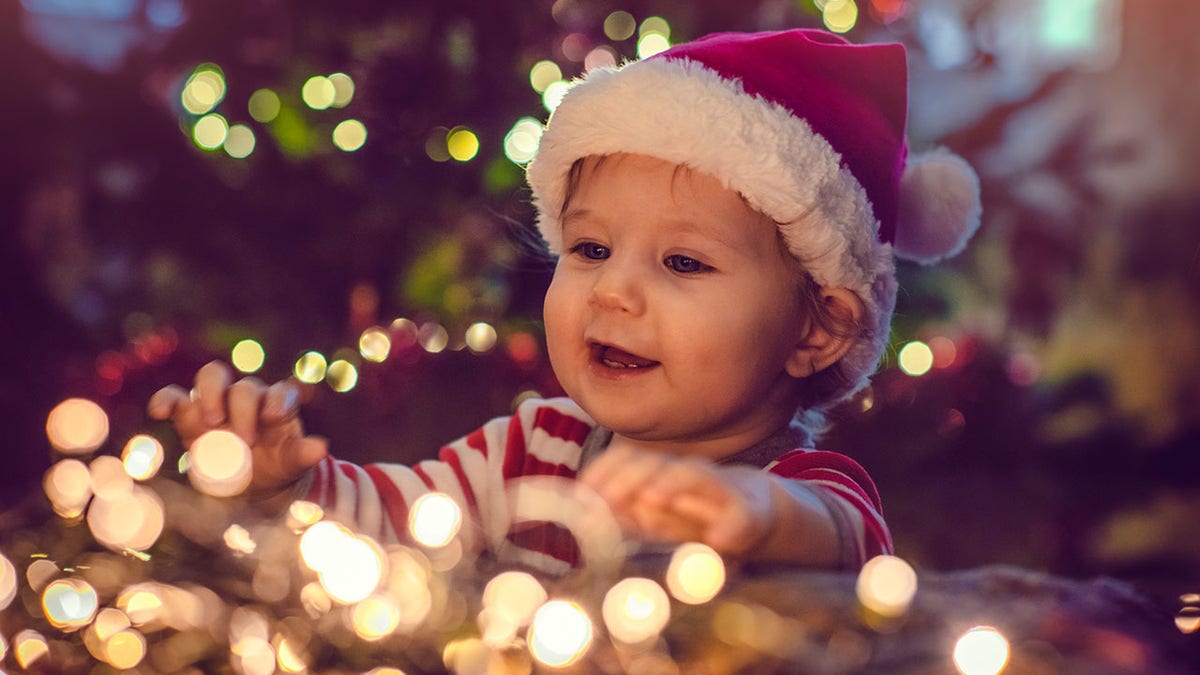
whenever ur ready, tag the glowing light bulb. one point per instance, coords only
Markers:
(696, 573)
(560, 634)
(981, 651)
(318, 92)
(248, 356)
(434, 519)
(481, 337)
(220, 464)
(374, 344)
(375, 617)
(462, 144)
(310, 367)
(886, 586)
(348, 567)
(636, 610)
(651, 44)
(77, 426)
(350, 135)
(341, 376)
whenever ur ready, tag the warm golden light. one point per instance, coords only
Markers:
(220, 463)
(840, 15)
(142, 457)
(462, 144)
(142, 603)
(600, 57)
(349, 135)
(348, 567)
(130, 520)
(543, 74)
(239, 141)
(433, 337)
(515, 595)
(310, 367)
(521, 142)
(434, 519)
(375, 618)
(8, 582)
(29, 646)
(341, 376)
(263, 105)
(886, 586)
(374, 344)
(636, 610)
(343, 89)
(318, 92)
(290, 656)
(248, 355)
(480, 337)
(916, 358)
(125, 650)
(560, 634)
(1187, 620)
(210, 131)
(204, 89)
(77, 426)
(40, 572)
(981, 651)
(651, 44)
(109, 478)
(69, 604)
(68, 486)
(252, 655)
(696, 573)
(619, 25)
(238, 538)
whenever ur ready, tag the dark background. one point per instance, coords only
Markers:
(1061, 438)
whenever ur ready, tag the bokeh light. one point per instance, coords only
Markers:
(981, 651)
(238, 538)
(318, 92)
(8, 582)
(310, 367)
(374, 344)
(600, 57)
(349, 135)
(68, 486)
(263, 105)
(125, 649)
(302, 514)
(69, 604)
(696, 573)
(462, 144)
(636, 610)
(651, 44)
(343, 89)
(619, 25)
(543, 74)
(521, 141)
(40, 572)
(239, 141)
(220, 463)
(29, 646)
(435, 144)
(514, 597)
(944, 352)
(210, 131)
(554, 94)
(840, 15)
(348, 567)
(1187, 620)
(560, 633)
(375, 617)
(433, 337)
(655, 25)
(480, 337)
(127, 521)
(916, 358)
(204, 89)
(142, 457)
(77, 426)
(248, 356)
(434, 519)
(886, 586)
(341, 376)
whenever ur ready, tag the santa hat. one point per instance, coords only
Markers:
(808, 128)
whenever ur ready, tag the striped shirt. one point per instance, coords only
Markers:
(546, 437)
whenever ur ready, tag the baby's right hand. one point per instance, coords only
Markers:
(265, 417)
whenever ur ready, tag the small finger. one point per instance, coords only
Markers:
(245, 400)
(212, 381)
(624, 482)
(164, 402)
(281, 402)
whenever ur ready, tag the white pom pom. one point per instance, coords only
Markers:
(939, 207)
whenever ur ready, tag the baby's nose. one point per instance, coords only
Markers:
(619, 287)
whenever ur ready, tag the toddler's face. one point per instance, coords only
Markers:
(674, 308)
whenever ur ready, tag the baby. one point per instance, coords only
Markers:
(726, 216)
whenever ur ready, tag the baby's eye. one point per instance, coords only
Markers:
(685, 265)
(591, 250)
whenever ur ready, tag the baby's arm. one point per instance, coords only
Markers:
(805, 516)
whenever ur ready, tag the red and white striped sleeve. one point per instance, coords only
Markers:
(846, 488)
(543, 437)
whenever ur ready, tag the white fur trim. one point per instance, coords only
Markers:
(939, 207)
(682, 112)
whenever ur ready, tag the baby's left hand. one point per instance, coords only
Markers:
(668, 498)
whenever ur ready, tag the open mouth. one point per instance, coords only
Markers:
(619, 359)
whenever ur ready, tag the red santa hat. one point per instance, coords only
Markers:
(808, 128)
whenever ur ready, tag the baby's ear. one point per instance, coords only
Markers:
(825, 342)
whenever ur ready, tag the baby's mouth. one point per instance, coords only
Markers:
(613, 357)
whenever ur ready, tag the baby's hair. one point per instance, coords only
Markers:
(817, 391)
